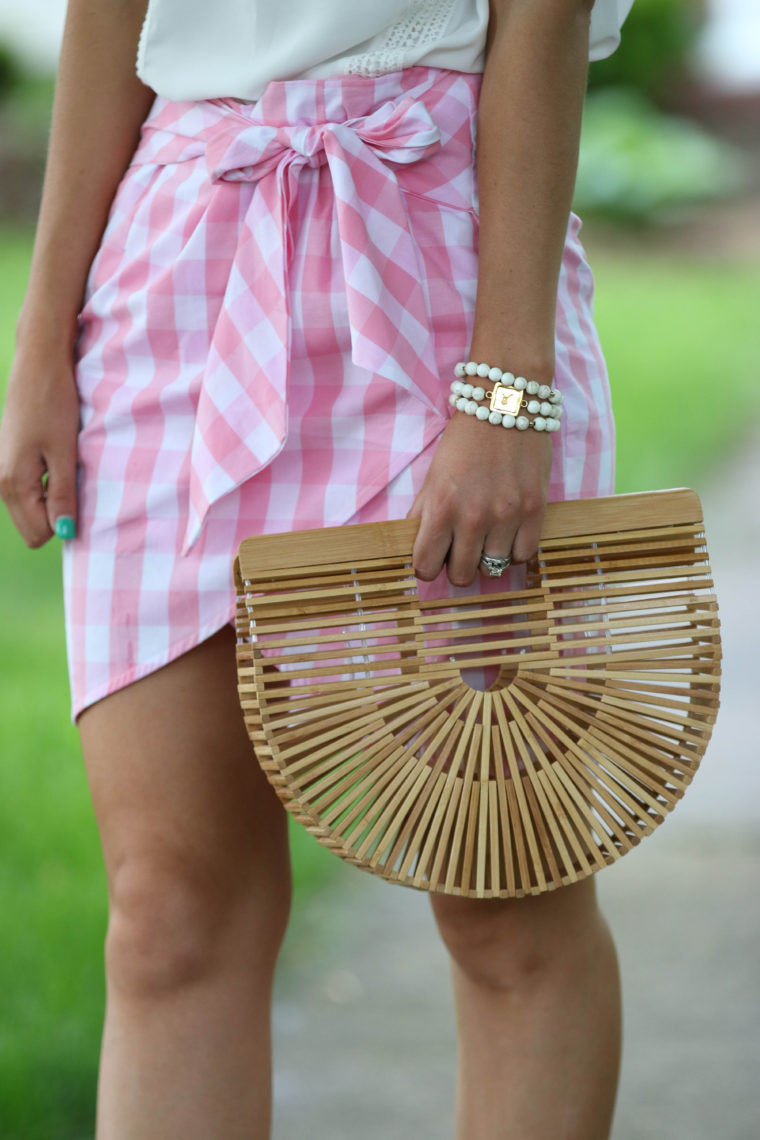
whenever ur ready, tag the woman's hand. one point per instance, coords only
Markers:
(485, 491)
(38, 437)
(91, 144)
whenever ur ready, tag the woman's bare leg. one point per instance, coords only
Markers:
(195, 848)
(537, 996)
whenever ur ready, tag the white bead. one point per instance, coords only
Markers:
(508, 379)
(546, 409)
(467, 391)
(539, 423)
(507, 420)
(544, 391)
(494, 418)
(522, 422)
(534, 407)
(461, 404)
(552, 425)
(471, 368)
(457, 387)
(459, 369)
(520, 383)
(454, 399)
(471, 408)
(556, 397)
(495, 374)
(478, 393)
(483, 370)
(532, 388)
(482, 413)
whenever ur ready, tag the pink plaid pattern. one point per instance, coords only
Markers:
(268, 335)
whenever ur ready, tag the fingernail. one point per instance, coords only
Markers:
(65, 527)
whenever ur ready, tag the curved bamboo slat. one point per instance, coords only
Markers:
(607, 690)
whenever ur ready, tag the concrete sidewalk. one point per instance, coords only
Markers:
(364, 1031)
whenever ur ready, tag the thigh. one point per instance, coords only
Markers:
(174, 779)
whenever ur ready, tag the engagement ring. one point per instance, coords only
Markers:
(495, 566)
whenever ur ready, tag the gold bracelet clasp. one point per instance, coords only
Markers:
(506, 400)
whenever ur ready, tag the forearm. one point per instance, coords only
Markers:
(528, 132)
(97, 112)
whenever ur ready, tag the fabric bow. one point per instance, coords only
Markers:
(242, 416)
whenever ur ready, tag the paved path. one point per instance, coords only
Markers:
(364, 1037)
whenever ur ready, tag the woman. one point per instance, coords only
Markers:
(246, 302)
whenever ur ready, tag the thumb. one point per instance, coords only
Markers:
(61, 491)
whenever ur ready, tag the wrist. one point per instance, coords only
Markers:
(503, 399)
(539, 368)
(46, 331)
(534, 364)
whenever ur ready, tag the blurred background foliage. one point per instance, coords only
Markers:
(26, 99)
(657, 43)
(11, 71)
(671, 324)
(640, 164)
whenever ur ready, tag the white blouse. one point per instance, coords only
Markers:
(196, 49)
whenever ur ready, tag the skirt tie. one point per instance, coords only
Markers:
(242, 416)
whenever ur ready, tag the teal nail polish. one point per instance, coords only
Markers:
(65, 527)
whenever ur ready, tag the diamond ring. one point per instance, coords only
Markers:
(495, 566)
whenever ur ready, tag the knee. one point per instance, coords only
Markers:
(172, 923)
(487, 945)
(516, 945)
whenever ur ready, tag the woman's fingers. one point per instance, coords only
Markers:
(22, 491)
(458, 544)
(38, 448)
(61, 489)
(431, 545)
(468, 546)
(528, 534)
(484, 492)
(464, 555)
(499, 542)
(41, 510)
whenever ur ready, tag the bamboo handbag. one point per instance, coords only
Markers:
(607, 690)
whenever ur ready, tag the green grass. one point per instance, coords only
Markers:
(682, 342)
(52, 883)
(672, 333)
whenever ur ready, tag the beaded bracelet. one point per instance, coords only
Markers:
(506, 399)
(544, 421)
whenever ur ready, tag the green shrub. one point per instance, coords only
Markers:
(11, 71)
(657, 38)
(638, 165)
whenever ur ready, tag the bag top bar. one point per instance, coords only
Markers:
(395, 539)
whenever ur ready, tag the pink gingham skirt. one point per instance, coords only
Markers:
(266, 343)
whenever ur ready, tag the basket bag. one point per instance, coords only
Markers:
(607, 671)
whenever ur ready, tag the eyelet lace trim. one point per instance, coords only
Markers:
(142, 43)
(422, 26)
